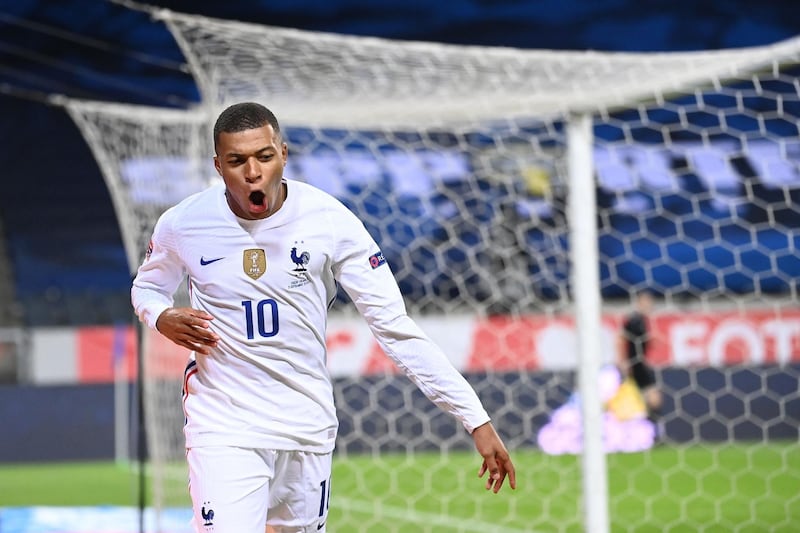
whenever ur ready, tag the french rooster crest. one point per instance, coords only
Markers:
(300, 261)
(208, 516)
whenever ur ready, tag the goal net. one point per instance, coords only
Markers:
(456, 159)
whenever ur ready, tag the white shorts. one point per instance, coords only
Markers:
(239, 490)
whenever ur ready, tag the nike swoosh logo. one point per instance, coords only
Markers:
(204, 261)
(320, 526)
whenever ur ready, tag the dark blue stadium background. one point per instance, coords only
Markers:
(62, 234)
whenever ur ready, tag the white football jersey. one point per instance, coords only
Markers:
(268, 284)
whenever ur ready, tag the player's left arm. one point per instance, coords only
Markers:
(363, 273)
(496, 459)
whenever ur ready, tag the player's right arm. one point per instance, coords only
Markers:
(188, 327)
(156, 281)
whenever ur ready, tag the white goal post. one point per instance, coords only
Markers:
(522, 198)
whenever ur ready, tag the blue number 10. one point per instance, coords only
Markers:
(260, 319)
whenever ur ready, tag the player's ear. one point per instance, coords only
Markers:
(217, 165)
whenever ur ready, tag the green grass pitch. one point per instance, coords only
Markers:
(749, 488)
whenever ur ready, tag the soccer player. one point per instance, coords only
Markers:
(634, 340)
(263, 255)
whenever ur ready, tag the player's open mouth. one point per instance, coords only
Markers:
(258, 201)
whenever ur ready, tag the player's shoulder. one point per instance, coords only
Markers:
(314, 197)
(307, 190)
(201, 201)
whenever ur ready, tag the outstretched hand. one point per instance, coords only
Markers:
(188, 327)
(496, 460)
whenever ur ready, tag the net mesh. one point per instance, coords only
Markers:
(455, 158)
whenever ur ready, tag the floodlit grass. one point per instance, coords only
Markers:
(715, 488)
(68, 484)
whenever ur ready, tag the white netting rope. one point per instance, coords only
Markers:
(333, 80)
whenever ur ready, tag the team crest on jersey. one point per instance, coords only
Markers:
(300, 259)
(254, 262)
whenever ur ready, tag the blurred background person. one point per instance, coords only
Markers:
(633, 342)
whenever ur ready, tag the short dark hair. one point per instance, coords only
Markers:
(244, 116)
